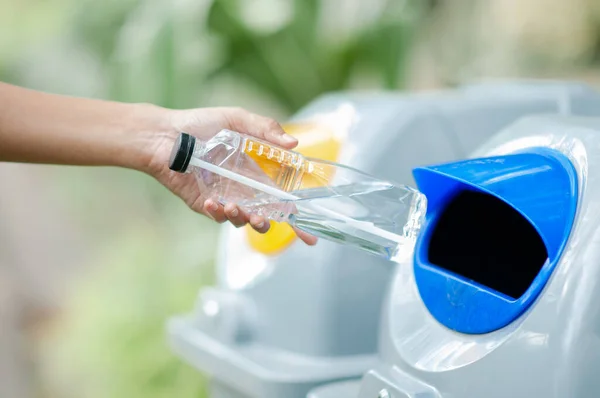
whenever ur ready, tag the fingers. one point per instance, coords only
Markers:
(235, 216)
(238, 218)
(261, 127)
(306, 237)
(215, 211)
(259, 223)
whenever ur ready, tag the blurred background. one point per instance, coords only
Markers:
(92, 261)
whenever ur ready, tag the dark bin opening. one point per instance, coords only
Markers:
(482, 238)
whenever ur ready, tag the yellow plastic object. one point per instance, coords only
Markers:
(316, 141)
(279, 236)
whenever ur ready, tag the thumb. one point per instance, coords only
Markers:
(260, 127)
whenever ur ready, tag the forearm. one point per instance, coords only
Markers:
(37, 127)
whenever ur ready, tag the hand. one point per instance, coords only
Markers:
(204, 123)
(38, 127)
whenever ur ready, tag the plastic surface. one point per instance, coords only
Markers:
(342, 389)
(255, 371)
(326, 199)
(538, 183)
(550, 350)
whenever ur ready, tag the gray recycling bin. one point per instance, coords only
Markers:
(500, 298)
(311, 317)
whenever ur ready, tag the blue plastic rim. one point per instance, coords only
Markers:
(538, 183)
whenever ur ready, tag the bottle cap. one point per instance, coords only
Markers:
(181, 153)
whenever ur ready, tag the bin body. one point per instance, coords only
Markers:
(313, 316)
(547, 348)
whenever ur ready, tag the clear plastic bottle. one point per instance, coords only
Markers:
(326, 199)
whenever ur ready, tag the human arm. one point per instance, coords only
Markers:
(38, 127)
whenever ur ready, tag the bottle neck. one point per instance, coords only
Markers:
(197, 152)
(199, 148)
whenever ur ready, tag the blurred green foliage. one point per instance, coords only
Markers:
(296, 63)
(111, 340)
(174, 53)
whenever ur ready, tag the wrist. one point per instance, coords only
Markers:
(153, 130)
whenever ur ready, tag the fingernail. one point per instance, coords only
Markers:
(214, 207)
(260, 225)
(289, 139)
(234, 213)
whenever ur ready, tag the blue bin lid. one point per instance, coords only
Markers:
(540, 184)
